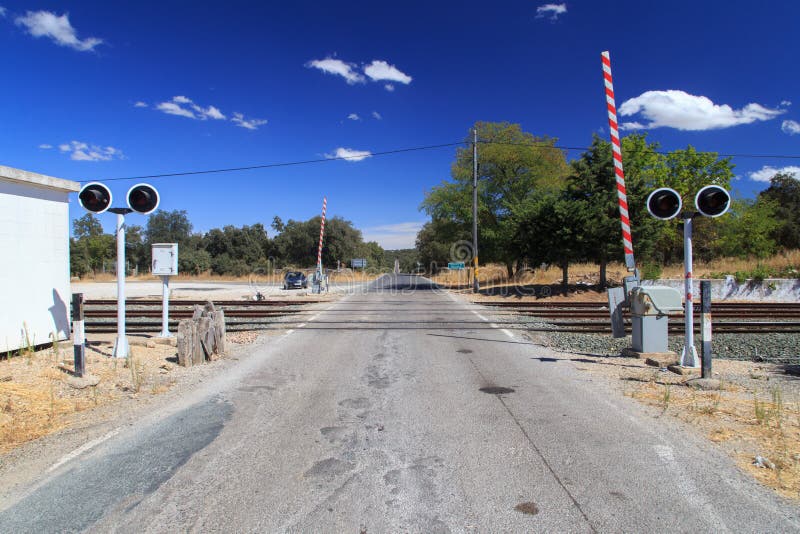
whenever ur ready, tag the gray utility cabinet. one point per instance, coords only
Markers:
(650, 309)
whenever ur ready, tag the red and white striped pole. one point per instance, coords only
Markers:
(627, 241)
(321, 233)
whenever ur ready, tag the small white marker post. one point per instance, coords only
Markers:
(165, 264)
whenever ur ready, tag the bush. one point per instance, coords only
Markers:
(651, 271)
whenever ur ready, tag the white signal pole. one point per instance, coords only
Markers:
(121, 347)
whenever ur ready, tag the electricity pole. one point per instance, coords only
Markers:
(475, 285)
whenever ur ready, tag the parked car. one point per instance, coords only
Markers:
(295, 280)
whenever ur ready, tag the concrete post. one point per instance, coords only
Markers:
(121, 347)
(705, 321)
(165, 307)
(78, 337)
(689, 354)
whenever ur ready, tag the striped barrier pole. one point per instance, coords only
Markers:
(627, 241)
(321, 233)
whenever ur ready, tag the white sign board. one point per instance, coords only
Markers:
(165, 259)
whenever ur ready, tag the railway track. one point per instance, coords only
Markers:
(575, 317)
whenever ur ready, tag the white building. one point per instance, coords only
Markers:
(34, 258)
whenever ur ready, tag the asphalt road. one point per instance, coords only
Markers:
(385, 413)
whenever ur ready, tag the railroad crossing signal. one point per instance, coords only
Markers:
(664, 203)
(95, 197)
(712, 201)
(143, 198)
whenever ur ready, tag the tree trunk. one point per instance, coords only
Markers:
(510, 270)
(603, 278)
(565, 276)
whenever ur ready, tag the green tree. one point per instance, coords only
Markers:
(86, 226)
(593, 182)
(551, 228)
(511, 164)
(748, 229)
(168, 227)
(784, 190)
(435, 242)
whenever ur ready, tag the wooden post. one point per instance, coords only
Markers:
(201, 337)
(186, 342)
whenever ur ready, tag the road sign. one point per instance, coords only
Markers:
(358, 263)
(458, 265)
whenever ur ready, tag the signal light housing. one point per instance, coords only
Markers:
(664, 203)
(143, 198)
(95, 197)
(712, 201)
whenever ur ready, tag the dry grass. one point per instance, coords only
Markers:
(747, 417)
(36, 398)
(495, 275)
(344, 276)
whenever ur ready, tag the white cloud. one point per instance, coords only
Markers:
(45, 146)
(354, 117)
(140, 104)
(80, 151)
(250, 124)
(389, 87)
(680, 110)
(766, 173)
(2, 12)
(786, 103)
(551, 10)
(171, 108)
(337, 67)
(213, 113)
(376, 115)
(57, 28)
(790, 127)
(380, 70)
(349, 154)
(394, 236)
(185, 107)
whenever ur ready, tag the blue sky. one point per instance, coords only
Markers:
(118, 89)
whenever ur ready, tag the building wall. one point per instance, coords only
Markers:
(34, 264)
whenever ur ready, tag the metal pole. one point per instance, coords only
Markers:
(121, 348)
(705, 322)
(78, 338)
(165, 307)
(689, 354)
(475, 285)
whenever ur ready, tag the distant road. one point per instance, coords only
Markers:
(401, 409)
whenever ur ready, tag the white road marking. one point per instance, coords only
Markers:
(83, 448)
(494, 325)
(301, 325)
(481, 317)
(507, 332)
(688, 489)
(289, 331)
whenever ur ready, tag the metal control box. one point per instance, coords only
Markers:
(650, 309)
(165, 259)
(655, 300)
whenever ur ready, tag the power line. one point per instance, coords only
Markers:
(284, 164)
(412, 149)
